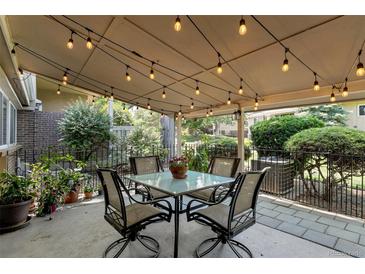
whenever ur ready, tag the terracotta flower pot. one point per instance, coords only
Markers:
(88, 195)
(179, 172)
(72, 197)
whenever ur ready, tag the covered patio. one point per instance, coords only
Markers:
(188, 67)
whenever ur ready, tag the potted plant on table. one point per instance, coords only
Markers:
(179, 167)
(16, 194)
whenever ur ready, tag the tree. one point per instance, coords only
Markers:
(121, 114)
(334, 153)
(84, 127)
(331, 115)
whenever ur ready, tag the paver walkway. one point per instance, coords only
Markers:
(340, 232)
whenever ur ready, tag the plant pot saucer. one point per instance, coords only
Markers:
(12, 228)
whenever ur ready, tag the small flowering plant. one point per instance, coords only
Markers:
(179, 162)
(179, 167)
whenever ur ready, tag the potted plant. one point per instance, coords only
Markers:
(88, 191)
(16, 194)
(178, 167)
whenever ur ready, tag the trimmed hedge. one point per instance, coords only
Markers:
(273, 133)
(337, 140)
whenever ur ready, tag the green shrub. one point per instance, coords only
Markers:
(273, 133)
(15, 189)
(337, 140)
(84, 127)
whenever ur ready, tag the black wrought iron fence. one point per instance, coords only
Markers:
(320, 179)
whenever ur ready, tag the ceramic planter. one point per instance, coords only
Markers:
(179, 172)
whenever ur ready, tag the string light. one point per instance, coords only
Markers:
(150, 112)
(255, 108)
(137, 106)
(211, 111)
(89, 44)
(219, 66)
(242, 29)
(207, 115)
(163, 93)
(183, 118)
(180, 111)
(93, 101)
(176, 118)
(127, 76)
(111, 93)
(256, 101)
(192, 105)
(152, 74)
(197, 91)
(177, 25)
(345, 91)
(65, 78)
(316, 86)
(123, 106)
(58, 90)
(333, 97)
(70, 43)
(360, 71)
(148, 104)
(285, 66)
(240, 90)
(229, 98)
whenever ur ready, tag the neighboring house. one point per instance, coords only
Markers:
(356, 117)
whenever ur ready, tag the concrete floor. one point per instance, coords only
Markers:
(81, 231)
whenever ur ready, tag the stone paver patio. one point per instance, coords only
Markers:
(342, 233)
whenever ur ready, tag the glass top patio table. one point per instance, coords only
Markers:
(163, 181)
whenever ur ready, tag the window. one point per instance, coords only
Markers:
(361, 110)
(7, 122)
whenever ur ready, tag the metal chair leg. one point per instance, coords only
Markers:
(155, 249)
(217, 241)
(114, 244)
(232, 243)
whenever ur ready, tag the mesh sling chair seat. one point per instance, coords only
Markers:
(227, 221)
(144, 165)
(130, 219)
(222, 166)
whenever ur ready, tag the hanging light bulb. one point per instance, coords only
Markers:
(150, 112)
(137, 106)
(316, 86)
(333, 97)
(93, 101)
(180, 112)
(70, 43)
(58, 90)
(148, 104)
(197, 91)
(152, 74)
(229, 98)
(242, 29)
(207, 114)
(345, 91)
(360, 71)
(64, 83)
(211, 112)
(256, 101)
(123, 106)
(127, 76)
(111, 93)
(192, 105)
(163, 93)
(285, 66)
(65, 78)
(176, 118)
(89, 44)
(177, 25)
(183, 118)
(255, 108)
(240, 90)
(219, 66)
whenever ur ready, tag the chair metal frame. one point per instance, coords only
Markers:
(118, 219)
(236, 162)
(243, 221)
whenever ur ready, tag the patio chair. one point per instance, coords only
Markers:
(144, 165)
(222, 166)
(227, 221)
(130, 219)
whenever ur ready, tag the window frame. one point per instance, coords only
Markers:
(10, 107)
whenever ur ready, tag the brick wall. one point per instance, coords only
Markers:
(37, 130)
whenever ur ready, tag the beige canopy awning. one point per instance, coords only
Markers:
(328, 45)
